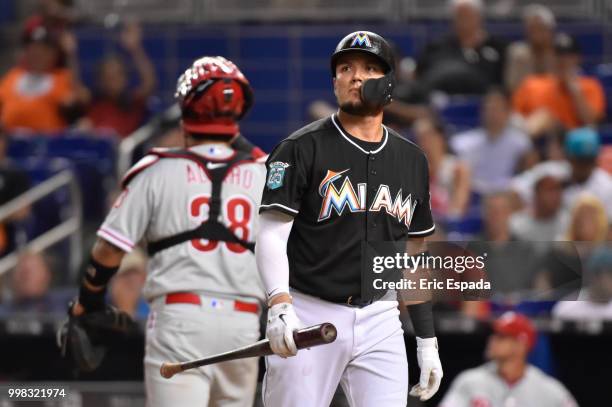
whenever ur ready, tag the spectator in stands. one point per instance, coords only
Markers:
(588, 222)
(560, 272)
(535, 55)
(595, 300)
(39, 94)
(30, 286)
(566, 97)
(126, 287)
(495, 151)
(57, 15)
(469, 60)
(13, 182)
(579, 172)
(449, 177)
(508, 380)
(503, 251)
(544, 220)
(116, 107)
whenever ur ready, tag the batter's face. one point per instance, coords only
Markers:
(352, 69)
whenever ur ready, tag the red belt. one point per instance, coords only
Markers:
(191, 298)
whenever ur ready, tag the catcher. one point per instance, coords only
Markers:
(196, 208)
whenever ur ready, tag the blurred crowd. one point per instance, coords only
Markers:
(531, 171)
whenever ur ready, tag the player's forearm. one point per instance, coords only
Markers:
(271, 254)
(103, 264)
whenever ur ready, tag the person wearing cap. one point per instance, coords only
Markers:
(196, 209)
(535, 54)
(582, 147)
(39, 94)
(579, 172)
(332, 186)
(508, 379)
(544, 220)
(467, 61)
(569, 98)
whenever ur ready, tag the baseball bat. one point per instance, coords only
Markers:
(304, 338)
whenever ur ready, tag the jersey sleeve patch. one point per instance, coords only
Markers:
(276, 176)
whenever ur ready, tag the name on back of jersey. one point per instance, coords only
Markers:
(240, 175)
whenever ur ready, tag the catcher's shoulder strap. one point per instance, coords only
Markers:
(211, 229)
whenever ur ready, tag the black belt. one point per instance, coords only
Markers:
(352, 301)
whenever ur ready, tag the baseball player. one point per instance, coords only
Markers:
(330, 186)
(508, 380)
(196, 209)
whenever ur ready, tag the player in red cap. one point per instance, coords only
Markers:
(508, 379)
(196, 210)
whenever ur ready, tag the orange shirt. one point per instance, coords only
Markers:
(33, 101)
(545, 91)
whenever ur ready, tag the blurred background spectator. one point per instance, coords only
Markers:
(449, 177)
(125, 290)
(115, 107)
(495, 151)
(39, 94)
(536, 54)
(568, 98)
(579, 172)
(543, 221)
(30, 287)
(596, 298)
(468, 60)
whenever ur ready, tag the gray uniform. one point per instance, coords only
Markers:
(170, 196)
(483, 387)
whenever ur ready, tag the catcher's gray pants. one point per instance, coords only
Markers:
(181, 332)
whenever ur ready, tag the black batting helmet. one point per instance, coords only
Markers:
(365, 41)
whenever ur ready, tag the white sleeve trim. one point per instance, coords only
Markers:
(280, 206)
(422, 232)
(116, 238)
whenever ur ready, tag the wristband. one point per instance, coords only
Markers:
(421, 316)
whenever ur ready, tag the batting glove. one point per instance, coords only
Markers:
(282, 321)
(431, 369)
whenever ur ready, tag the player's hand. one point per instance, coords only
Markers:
(431, 369)
(282, 321)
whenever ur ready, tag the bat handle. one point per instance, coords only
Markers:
(168, 370)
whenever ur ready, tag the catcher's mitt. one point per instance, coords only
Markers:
(84, 338)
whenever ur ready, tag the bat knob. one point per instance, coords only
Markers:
(167, 370)
(328, 332)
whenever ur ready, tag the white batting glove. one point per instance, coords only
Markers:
(431, 369)
(282, 321)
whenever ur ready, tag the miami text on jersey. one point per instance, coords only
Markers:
(337, 199)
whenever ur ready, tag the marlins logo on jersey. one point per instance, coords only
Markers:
(347, 196)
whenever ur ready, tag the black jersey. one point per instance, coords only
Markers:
(341, 194)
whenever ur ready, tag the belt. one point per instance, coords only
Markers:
(191, 298)
(354, 301)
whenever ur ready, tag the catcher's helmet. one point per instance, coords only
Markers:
(365, 41)
(213, 95)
